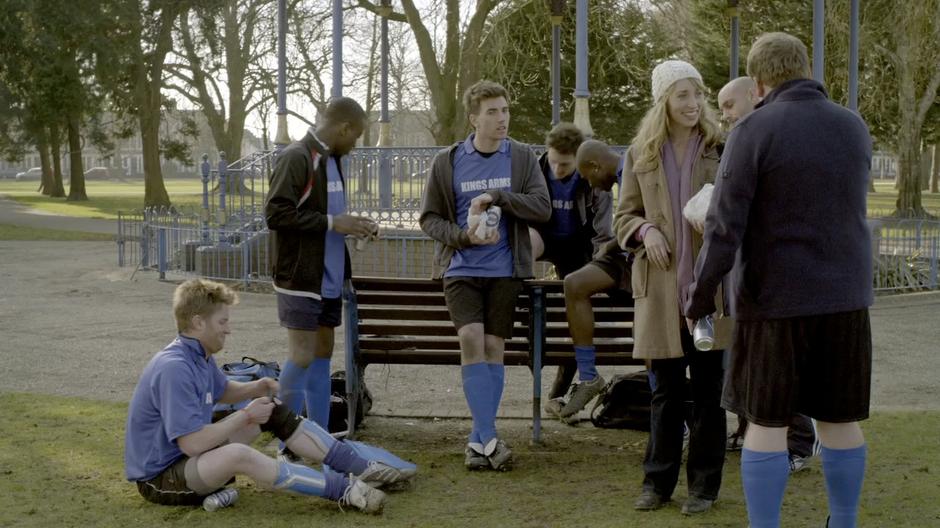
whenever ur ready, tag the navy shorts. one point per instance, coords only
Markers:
(305, 313)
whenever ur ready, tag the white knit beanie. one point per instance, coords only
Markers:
(670, 71)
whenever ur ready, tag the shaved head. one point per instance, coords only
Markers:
(342, 123)
(737, 99)
(598, 164)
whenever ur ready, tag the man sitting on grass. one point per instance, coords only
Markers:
(177, 456)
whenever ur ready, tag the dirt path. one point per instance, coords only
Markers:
(72, 323)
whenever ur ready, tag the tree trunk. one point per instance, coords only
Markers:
(154, 189)
(42, 144)
(76, 166)
(56, 154)
(909, 199)
(935, 172)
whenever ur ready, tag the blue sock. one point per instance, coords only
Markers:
(318, 392)
(477, 388)
(844, 470)
(652, 379)
(498, 379)
(343, 458)
(584, 356)
(293, 381)
(764, 475)
(302, 480)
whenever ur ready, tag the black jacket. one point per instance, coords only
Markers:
(296, 216)
(788, 211)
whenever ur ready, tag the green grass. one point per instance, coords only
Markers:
(18, 232)
(105, 199)
(61, 465)
(884, 198)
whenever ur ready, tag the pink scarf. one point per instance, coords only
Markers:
(679, 179)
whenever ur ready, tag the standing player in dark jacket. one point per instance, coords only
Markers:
(306, 213)
(483, 276)
(788, 213)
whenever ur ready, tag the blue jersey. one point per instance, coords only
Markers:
(564, 222)
(474, 174)
(173, 398)
(334, 251)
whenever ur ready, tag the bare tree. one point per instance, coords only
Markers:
(221, 47)
(451, 64)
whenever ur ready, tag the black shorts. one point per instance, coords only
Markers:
(175, 486)
(305, 313)
(816, 365)
(617, 266)
(487, 300)
(566, 254)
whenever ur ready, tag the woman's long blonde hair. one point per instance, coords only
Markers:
(654, 129)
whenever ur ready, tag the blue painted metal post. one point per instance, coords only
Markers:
(337, 48)
(161, 252)
(223, 183)
(282, 138)
(819, 40)
(538, 323)
(558, 8)
(206, 168)
(145, 240)
(853, 55)
(120, 239)
(582, 113)
(352, 351)
(385, 140)
(934, 258)
(735, 39)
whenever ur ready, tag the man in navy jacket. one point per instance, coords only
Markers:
(789, 214)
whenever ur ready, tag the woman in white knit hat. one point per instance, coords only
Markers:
(675, 152)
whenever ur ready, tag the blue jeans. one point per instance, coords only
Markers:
(706, 421)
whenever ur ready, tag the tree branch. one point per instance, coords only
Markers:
(372, 8)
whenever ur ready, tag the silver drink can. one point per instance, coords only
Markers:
(704, 334)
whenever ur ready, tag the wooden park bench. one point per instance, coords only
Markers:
(406, 322)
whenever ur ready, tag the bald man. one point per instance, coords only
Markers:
(737, 99)
(306, 213)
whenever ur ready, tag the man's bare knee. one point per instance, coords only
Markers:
(472, 343)
(301, 346)
(840, 435)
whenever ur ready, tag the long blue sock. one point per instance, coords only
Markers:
(318, 392)
(302, 480)
(584, 357)
(477, 388)
(293, 381)
(764, 475)
(844, 470)
(498, 379)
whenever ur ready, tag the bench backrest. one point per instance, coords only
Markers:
(405, 321)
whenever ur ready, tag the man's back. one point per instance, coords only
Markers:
(807, 247)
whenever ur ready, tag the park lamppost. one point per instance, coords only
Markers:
(582, 111)
(732, 12)
(384, 11)
(282, 138)
(557, 15)
(819, 40)
(337, 49)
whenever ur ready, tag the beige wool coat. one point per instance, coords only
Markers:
(644, 198)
